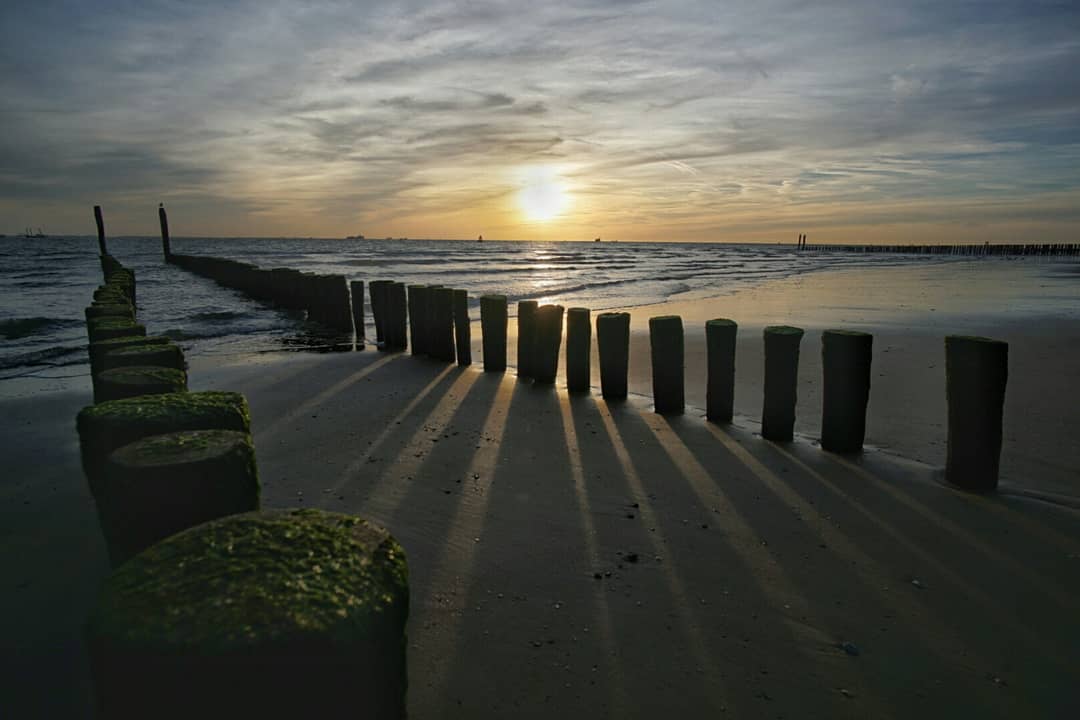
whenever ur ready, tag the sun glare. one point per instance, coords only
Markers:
(543, 195)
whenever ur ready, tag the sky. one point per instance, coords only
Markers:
(865, 121)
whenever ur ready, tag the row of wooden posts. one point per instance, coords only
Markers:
(1013, 249)
(203, 577)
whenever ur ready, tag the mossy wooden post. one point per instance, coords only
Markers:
(613, 346)
(781, 382)
(526, 337)
(976, 372)
(356, 291)
(109, 425)
(272, 614)
(103, 328)
(668, 363)
(720, 336)
(462, 328)
(162, 484)
(100, 221)
(493, 332)
(547, 343)
(118, 309)
(124, 382)
(418, 299)
(397, 331)
(163, 220)
(845, 360)
(98, 350)
(442, 337)
(578, 349)
(165, 355)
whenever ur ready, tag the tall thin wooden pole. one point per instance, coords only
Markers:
(164, 220)
(100, 230)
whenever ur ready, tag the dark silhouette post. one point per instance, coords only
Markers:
(377, 290)
(720, 385)
(163, 220)
(666, 346)
(418, 299)
(356, 289)
(493, 332)
(549, 322)
(397, 330)
(462, 329)
(578, 349)
(781, 382)
(976, 371)
(442, 338)
(526, 337)
(613, 346)
(100, 230)
(845, 360)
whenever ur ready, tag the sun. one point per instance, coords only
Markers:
(543, 195)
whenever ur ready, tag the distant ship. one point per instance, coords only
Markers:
(480, 239)
(596, 239)
(38, 235)
(354, 237)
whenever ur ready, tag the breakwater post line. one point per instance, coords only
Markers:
(100, 221)
(976, 372)
(720, 334)
(493, 332)
(1012, 249)
(845, 360)
(781, 382)
(667, 352)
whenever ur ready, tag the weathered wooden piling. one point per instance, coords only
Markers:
(442, 328)
(152, 355)
(356, 293)
(100, 222)
(613, 346)
(493, 332)
(418, 312)
(377, 290)
(846, 356)
(397, 315)
(125, 382)
(526, 337)
(668, 363)
(274, 614)
(462, 328)
(98, 350)
(162, 484)
(720, 335)
(547, 343)
(120, 310)
(781, 382)
(103, 328)
(976, 372)
(163, 220)
(578, 349)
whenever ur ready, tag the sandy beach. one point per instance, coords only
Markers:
(575, 558)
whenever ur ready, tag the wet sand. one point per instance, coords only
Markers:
(574, 558)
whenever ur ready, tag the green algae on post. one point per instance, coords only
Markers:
(526, 337)
(547, 343)
(162, 484)
(781, 382)
(846, 356)
(154, 355)
(668, 362)
(462, 329)
(578, 349)
(117, 309)
(124, 382)
(106, 426)
(613, 347)
(218, 618)
(493, 332)
(720, 334)
(97, 350)
(976, 373)
(103, 328)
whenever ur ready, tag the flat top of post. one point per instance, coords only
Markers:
(724, 322)
(664, 319)
(848, 333)
(577, 311)
(606, 315)
(783, 330)
(973, 339)
(494, 297)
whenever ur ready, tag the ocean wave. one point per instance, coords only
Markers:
(16, 328)
(53, 356)
(218, 315)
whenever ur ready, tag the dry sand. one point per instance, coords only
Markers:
(736, 576)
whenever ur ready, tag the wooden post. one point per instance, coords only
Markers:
(845, 359)
(547, 342)
(443, 330)
(431, 342)
(100, 230)
(356, 290)
(462, 331)
(976, 372)
(418, 300)
(493, 332)
(720, 337)
(377, 290)
(273, 614)
(125, 382)
(781, 382)
(163, 220)
(526, 337)
(578, 349)
(397, 329)
(613, 345)
(668, 362)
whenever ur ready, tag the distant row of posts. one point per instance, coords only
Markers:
(434, 321)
